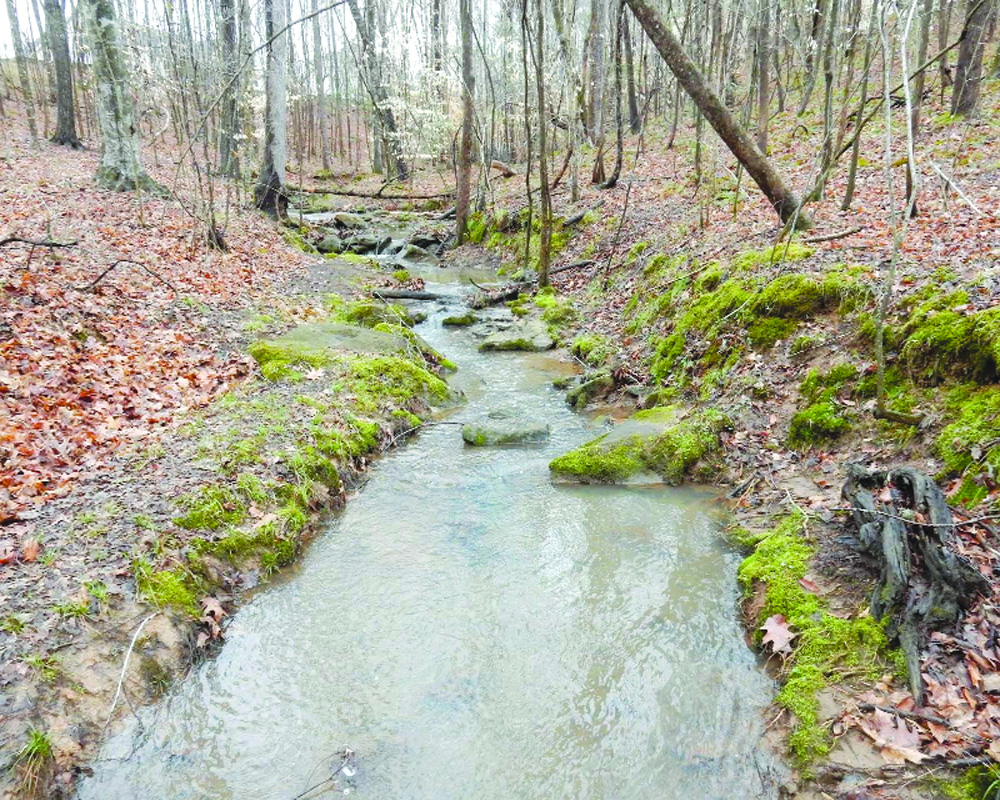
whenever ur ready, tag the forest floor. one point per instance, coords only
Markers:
(121, 398)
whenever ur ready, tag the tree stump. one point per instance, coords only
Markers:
(904, 524)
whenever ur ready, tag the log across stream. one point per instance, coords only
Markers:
(465, 628)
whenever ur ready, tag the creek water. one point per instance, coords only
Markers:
(471, 630)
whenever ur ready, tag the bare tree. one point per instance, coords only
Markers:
(65, 115)
(121, 166)
(969, 67)
(22, 69)
(468, 120)
(269, 193)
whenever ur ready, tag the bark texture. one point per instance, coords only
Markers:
(269, 193)
(464, 183)
(121, 166)
(65, 115)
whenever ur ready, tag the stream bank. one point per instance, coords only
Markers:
(467, 627)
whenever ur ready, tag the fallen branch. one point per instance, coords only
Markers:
(404, 294)
(36, 243)
(897, 416)
(829, 237)
(504, 169)
(100, 277)
(921, 715)
(121, 679)
(579, 215)
(377, 195)
(511, 291)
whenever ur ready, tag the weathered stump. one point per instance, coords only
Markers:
(906, 527)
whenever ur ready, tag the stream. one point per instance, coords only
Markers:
(468, 629)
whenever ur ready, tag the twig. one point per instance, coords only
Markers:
(950, 183)
(921, 715)
(959, 524)
(128, 655)
(100, 277)
(829, 237)
(36, 243)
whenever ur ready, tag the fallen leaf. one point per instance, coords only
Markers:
(778, 634)
(29, 550)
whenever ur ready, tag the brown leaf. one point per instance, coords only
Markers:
(29, 550)
(778, 634)
(213, 608)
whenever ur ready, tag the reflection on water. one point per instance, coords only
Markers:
(472, 631)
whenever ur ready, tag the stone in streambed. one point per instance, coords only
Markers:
(530, 336)
(504, 428)
(658, 445)
(330, 243)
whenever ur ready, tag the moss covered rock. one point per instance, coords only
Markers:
(655, 445)
(531, 335)
(504, 427)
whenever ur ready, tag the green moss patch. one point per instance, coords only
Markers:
(593, 349)
(939, 343)
(826, 647)
(670, 452)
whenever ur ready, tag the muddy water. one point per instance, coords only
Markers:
(471, 630)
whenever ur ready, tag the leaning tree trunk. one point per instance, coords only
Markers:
(784, 201)
(464, 182)
(969, 68)
(65, 116)
(269, 193)
(22, 69)
(121, 167)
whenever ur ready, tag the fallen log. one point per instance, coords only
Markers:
(404, 294)
(905, 526)
(505, 170)
(511, 291)
(379, 195)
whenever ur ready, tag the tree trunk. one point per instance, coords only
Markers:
(944, 24)
(324, 141)
(926, 12)
(65, 117)
(545, 198)
(22, 70)
(230, 123)
(121, 167)
(596, 65)
(379, 96)
(969, 68)
(763, 78)
(813, 47)
(619, 143)
(269, 193)
(634, 118)
(464, 183)
(784, 201)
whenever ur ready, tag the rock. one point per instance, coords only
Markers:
(340, 336)
(362, 243)
(468, 318)
(657, 445)
(504, 428)
(330, 243)
(384, 244)
(345, 219)
(530, 336)
(426, 240)
(418, 254)
(592, 386)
